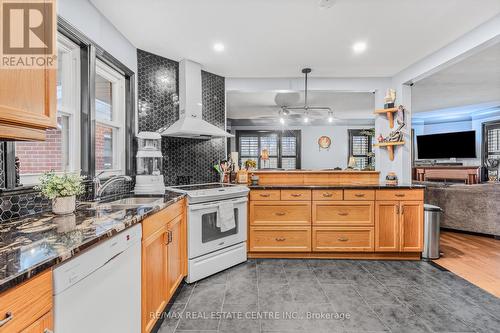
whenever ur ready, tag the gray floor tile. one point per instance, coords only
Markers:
(300, 275)
(378, 296)
(308, 292)
(281, 317)
(240, 318)
(400, 319)
(270, 294)
(199, 317)
(363, 319)
(241, 292)
(209, 295)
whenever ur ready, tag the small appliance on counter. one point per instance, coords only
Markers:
(149, 179)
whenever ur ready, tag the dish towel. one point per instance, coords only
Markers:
(225, 218)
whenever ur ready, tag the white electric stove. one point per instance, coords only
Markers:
(209, 249)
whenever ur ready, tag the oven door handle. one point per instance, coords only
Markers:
(216, 204)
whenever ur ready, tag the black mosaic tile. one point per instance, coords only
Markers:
(2, 164)
(184, 160)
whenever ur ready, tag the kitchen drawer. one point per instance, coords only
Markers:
(265, 195)
(344, 213)
(280, 213)
(359, 194)
(159, 220)
(280, 239)
(26, 303)
(388, 195)
(319, 195)
(300, 195)
(336, 239)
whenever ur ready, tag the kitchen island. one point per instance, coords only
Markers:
(334, 214)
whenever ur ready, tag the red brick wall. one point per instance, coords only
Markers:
(100, 132)
(39, 157)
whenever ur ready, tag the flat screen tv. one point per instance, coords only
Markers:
(447, 145)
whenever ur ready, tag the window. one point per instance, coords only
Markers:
(360, 147)
(491, 142)
(282, 148)
(110, 120)
(55, 153)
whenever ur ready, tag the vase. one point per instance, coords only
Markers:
(63, 205)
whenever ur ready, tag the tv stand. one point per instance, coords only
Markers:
(467, 174)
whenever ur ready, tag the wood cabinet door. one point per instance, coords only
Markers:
(280, 239)
(412, 226)
(264, 213)
(387, 238)
(344, 213)
(44, 324)
(154, 278)
(175, 259)
(27, 99)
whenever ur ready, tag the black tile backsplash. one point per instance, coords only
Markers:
(184, 160)
(2, 164)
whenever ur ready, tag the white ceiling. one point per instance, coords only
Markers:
(469, 85)
(262, 105)
(275, 38)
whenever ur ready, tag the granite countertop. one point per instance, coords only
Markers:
(327, 187)
(35, 243)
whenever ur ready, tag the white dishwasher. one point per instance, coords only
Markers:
(99, 291)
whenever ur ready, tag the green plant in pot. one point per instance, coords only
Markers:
(62, 189)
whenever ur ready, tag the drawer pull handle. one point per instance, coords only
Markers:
(328, 195)
(267, 195)
(342, 239)
(400, 195)
(359, 195)
(296, 195)
(280, 213)
(280, 239)
(343, 213)
(8, 317)
(47, 331)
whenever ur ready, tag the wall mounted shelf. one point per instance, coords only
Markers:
(390, 114)
(390, 147)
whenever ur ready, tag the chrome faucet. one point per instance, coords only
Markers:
(99, 188)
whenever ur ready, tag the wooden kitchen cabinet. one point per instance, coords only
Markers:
(280, 239)
(412, 226)
(399, 226)
(164, 260)
(342, 239)
(154, 278)
(27, 103)
(43, 325)
(175, 253)
(29, 306)
(387, 226)
(346, 213)
(280, 213)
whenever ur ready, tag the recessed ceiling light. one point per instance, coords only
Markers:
(219, 47)
(359, 47)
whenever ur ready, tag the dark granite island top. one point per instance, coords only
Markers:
(380, 186)
(33, 244)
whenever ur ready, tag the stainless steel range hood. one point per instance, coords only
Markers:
(191, 124)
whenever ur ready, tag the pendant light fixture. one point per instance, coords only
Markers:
(306, 107)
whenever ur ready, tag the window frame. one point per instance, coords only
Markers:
(70, 107)
(117, 122)
(280, 134)
(486, 126)
(351, 132)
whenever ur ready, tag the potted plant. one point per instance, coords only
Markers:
(62, 190)
(250, 165)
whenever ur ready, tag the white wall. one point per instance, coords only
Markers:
(85, 17)
(311, 156)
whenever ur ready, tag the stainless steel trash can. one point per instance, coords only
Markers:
(431, 231)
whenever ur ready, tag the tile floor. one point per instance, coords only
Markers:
(273, 295)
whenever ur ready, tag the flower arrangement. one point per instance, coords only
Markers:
(250, 164)
(54, 186)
